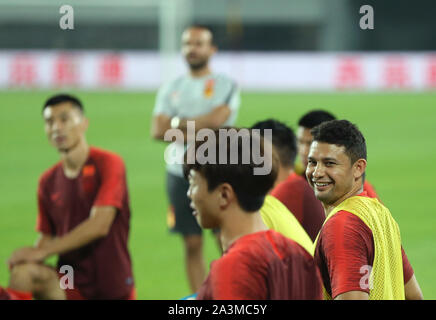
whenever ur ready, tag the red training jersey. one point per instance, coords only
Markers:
(263, 266)
(297, 195)
(370, 190)
(344, 246)
(102, 269)
(9, 294)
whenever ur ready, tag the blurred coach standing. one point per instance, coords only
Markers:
(211, 100)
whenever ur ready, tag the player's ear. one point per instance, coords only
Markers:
(225, 195)
(359, 168)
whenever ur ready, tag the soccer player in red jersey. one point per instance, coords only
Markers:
(346, 243)
(295, 193)
(257, 263)
(83, 211)
(10, 294)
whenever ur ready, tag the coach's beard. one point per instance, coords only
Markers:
(198, 66)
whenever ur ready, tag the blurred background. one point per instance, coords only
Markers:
(288, 57)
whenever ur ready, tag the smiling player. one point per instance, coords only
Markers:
(359, 235)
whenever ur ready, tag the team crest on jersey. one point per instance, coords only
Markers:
(209, 88)
(88, 170)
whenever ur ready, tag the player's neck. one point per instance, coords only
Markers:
(199, 73)
(239, 224)
(357, 189)
(74, 158)
(283, 174)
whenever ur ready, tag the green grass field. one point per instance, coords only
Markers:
(400, 130)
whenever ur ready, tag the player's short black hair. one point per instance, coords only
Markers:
(61, 98)
(204, 27)
(283, 139)
(314, 118)
(342, 133)
(250, 189)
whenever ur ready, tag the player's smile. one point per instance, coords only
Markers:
(194, 211)
(322, 185)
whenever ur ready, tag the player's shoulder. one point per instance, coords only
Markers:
(293, 184)
(341, 219)
(285, 245)
(102, 156)
(248, 245)
(50, 173)
(223, 79)
(174, 82)
(344, 225)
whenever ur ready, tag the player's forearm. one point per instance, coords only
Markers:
(160, 125)
(213, 120)
(43, 241)
(83, 234)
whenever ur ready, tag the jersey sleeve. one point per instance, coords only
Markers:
(407, 267)
(349, 252)
(43, 222)
(227, 92)
(163, 102)
(236, 278)
(113, 187)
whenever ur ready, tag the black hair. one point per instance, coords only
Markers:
(283, 139)
(61, 98)
(314, 118)
(342, 133)
(250, 188)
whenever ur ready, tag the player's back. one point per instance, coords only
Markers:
(277, 217)
(263, 266)
(293, 274)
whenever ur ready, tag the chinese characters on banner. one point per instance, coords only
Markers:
(298, 71)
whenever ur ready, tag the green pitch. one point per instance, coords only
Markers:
(399, 128)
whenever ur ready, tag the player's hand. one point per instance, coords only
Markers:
(26, 254)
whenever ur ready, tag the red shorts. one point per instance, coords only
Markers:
(19, 295)
(74, 294)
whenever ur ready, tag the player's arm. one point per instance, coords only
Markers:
(43, 240)
(95, 227)
(353, 295)
(212, 120)
(348, 246)
(412, 290)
